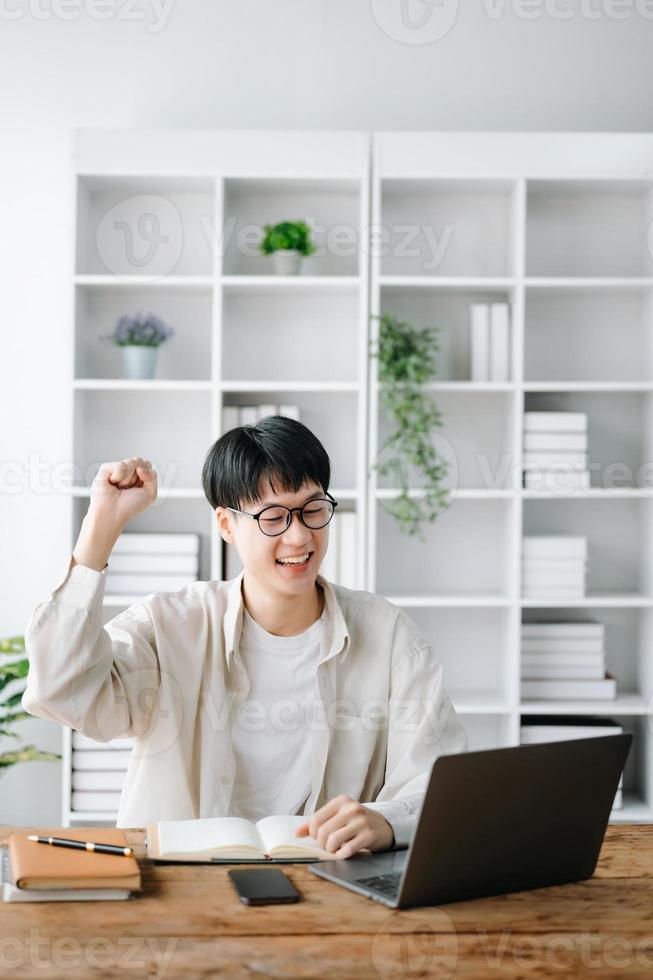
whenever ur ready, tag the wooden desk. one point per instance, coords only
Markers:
(189, 923)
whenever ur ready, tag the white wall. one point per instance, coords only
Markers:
(341, 64)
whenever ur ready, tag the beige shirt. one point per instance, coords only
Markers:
(167, 672)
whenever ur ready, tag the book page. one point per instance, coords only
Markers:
(277, 832)
(207, 834)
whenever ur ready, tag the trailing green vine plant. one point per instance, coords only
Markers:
(406, 356)
(16, 669)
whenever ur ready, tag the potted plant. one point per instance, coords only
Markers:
(139, 335)
(288, 242)
(406, 356)
(13, 670)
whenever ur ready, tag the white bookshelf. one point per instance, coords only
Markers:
(244, 335)
(557, 226)
(554, 224)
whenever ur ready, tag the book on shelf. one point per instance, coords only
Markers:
(155, 543)
(158, 564)
(556, 671)
(555, 442)
(499, 342)
(10, 892)
(144, 584)
(100, 801)
(554, 547)
(543, 460)
(555, 421)
(233, 839)
(98, 779)
(99, 759)
(542, 728)
(42, 868)
(479, 342)
(489, 341)
(570, 689)
(556, 479)
(562, 656)
(574, 629)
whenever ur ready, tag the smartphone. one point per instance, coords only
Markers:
(263, 886)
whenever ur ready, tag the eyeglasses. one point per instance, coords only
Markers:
(276, 519)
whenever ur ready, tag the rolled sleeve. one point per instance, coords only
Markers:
(82, 674)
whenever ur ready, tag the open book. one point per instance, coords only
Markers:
(233, 838)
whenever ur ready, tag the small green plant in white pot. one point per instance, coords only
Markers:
(13, 668)
(288, 242)
(139, 336)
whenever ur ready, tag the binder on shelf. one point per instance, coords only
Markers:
(480, 342)
(499, 342)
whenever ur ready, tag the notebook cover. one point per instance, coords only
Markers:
(36, 865)
(155, 856)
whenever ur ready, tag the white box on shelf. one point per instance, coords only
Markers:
(150, 543)
(555, 421)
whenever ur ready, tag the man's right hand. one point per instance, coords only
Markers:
(121, 490)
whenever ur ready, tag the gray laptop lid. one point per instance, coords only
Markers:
(504, 820)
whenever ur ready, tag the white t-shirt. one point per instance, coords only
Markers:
(271, 731)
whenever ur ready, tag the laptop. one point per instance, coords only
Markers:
(497, 821)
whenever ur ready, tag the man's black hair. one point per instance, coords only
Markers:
(278, 449)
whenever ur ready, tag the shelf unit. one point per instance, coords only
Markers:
(560, 227)
(170, 221)
(557, 225)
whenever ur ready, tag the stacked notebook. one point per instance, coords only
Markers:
(232, 840)
(33, 872)
(554, 566)
(555, 451)
(144, 562)
(565, 661)
(541, 728)
(98, 773)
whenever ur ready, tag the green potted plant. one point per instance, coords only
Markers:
(139, 336)
(288, 242)
(13, 668)
(406, 361)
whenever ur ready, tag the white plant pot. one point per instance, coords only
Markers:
(287, 262)
(139, 361)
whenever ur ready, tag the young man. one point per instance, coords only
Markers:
(275, 692)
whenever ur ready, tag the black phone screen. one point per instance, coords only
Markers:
(263, 886)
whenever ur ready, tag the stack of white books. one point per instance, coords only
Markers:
(339, 564)
(98, 773)
(564, 661)
(489, 342)
(235, 415)
(554, 566)
(555, 451)
(144, 562)
(541, 728)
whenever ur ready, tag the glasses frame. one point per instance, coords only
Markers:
(291, 511)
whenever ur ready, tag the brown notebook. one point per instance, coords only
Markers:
(37, 865)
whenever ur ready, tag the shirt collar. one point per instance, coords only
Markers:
(336, 633)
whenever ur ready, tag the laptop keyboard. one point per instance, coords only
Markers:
(387, 884)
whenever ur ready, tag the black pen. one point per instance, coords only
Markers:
(82, 845)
